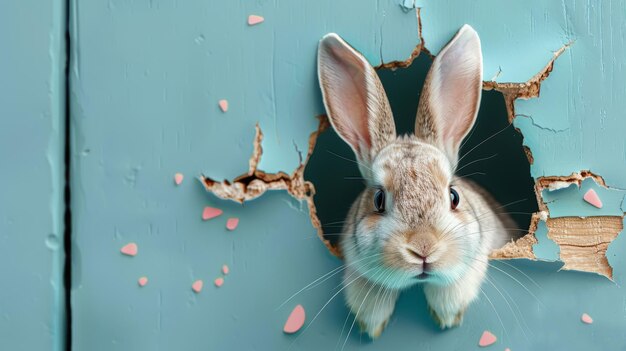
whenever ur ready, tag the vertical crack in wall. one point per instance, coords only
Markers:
(67, 220)
(421, 47)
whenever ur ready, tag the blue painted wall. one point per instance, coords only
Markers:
(32, 139)
(145, 80)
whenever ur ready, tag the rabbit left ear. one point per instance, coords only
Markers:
(354, 98)
(451, 96)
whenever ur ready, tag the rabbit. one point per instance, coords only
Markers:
(416, 222)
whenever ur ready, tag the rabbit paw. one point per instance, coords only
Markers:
(373, 331)
(372, 305)
(447, 320)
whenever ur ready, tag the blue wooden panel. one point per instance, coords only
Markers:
(146, 78)
(32, 141)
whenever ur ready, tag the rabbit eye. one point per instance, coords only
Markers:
(454, 198)
(379, 201)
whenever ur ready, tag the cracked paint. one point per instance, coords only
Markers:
(524, 90)
(581, 232)
(572, 195)
(541, 127)
(256, 182)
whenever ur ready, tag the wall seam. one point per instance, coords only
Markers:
(67, 237)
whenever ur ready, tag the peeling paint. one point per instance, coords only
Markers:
(525, 90)
(583, 241)
(572, 195)
(545, 249)
(255, 182)
(614, 254)
(565, 234)
(520, 248)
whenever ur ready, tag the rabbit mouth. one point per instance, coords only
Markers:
(423, 276)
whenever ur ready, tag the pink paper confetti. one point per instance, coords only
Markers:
(219, 282)
(197, 286)
(178, 178)
(254, 19)
(295, 320)
(592, 197)
(223, 105)
(487, 339)
(231, 223)
(129, 249)
(211, 212)
(586, 319)
(225, 269)
(507, 349)
(142, 281)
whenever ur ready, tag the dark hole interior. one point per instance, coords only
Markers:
(492, 155)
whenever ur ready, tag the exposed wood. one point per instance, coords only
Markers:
(583, 241)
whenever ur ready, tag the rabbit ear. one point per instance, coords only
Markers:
(354, 98)
(451, 96)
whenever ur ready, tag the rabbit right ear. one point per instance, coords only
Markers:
(451, 96)
(354, 98)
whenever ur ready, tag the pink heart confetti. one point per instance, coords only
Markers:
(129, 249)
(225, 269)
(197, 286)
(142, 281)
(178, 178)
(254, 19)
(219, 282)
(211, 212)
(586, 319)
(295, 320)
(223, 105)
(487, 339)
(592, 197)
(231, 223)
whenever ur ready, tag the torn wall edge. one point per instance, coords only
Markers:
(255, 182)
(525, 90)
(582, 242)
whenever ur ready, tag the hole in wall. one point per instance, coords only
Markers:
(492, 155)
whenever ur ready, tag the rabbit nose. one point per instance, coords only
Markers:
(415, 254)
(421, 258)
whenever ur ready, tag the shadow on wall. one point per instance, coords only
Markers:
(492, 155)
